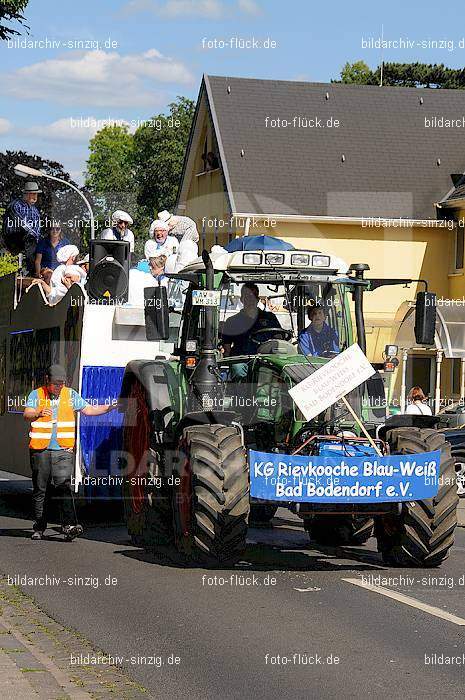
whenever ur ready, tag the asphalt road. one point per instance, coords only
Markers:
(227, 639)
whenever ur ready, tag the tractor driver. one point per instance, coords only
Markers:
(238, 332)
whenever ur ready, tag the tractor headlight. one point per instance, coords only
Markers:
(321, 261)
(252, 258)
(274, 258)
(300, 259)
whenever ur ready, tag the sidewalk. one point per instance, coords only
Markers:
(35, 654)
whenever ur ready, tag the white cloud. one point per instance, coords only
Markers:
(250, 7)
(75, 129)
(98, 78)
(213, 9)
(208, 9)
(134, 6)
(5, 126)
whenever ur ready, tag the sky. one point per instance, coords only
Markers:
(93, 60)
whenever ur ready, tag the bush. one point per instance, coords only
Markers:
(8, 263)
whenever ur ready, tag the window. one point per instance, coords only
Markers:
(203, 163)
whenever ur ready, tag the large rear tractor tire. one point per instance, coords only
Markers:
(211, 504)
(339, 530)
(147, 506)
(423, 533)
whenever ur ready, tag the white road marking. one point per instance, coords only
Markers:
(407, 600)
(353, 563)
(306, 590)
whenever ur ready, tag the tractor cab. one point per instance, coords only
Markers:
(271, 319)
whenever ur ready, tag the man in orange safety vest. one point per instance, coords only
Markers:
(51, 411)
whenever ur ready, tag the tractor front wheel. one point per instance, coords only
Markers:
(211, 502)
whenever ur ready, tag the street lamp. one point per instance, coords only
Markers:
(25, 171)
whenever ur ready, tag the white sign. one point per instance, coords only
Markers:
(206, 297)
(332, 381)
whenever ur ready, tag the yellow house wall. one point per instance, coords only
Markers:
(207, 202)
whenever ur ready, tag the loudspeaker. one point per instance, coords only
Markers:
(157, 317)
(109, 270)
(425, 318)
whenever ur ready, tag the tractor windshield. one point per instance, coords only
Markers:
(310, 318)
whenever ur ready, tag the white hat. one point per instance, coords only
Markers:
(66, 252)
(158, 224)
(164, 215)
(120, 215)
(84, 260)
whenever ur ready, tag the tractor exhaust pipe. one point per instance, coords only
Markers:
(205, 379)
(357, 295)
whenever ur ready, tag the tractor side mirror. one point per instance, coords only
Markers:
(156, 311)
(425, 318)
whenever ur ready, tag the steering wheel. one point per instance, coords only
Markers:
(285, 335)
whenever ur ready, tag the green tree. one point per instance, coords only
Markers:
(110, 169)
(358, 73)
(404, 75)
(159, 148)
(11, 11)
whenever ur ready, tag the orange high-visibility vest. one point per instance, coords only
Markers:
(41, 429)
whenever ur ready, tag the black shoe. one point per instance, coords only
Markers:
(72, 531)
(37, 535)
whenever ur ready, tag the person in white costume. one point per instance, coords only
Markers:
(158, 232)
(179, 225)
(119, 231)
(66, 274)
(188, 251)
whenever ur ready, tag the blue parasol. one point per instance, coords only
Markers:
(257, 243)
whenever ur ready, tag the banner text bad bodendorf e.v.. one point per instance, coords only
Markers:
(342, 479)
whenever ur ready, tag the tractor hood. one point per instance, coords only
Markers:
(296, 367)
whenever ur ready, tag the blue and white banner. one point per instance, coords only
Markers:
(341, 479)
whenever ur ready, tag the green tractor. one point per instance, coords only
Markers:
(192, 420)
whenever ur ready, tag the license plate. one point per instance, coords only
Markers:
(203, 297)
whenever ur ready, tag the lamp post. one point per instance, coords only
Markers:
(26, 171)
